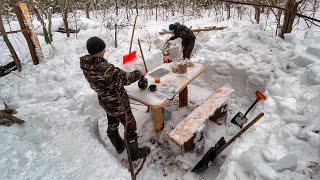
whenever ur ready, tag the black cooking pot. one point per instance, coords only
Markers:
(152, 87)
(143, 83)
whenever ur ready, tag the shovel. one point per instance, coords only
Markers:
(239, 119)
(213, 152)
(129, 57)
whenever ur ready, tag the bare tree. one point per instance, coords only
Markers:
(257, 11)
(26, 34)
(65, 17)
(291, 10)
(116, 25)
(33, 5)
(289, 17)
(7, 41)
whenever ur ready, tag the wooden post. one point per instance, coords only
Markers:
(183, 97)
(9, 45)
(22, 13)
(158, 119)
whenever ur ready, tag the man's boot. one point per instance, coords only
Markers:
(135, 151)
(117, 142)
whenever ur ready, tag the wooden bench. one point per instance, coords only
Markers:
(190, 130)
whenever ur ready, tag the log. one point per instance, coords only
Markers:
(7, 119)
(211, 28)
(158, 119)
(63, 30)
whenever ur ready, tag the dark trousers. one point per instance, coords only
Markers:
(187, 48)
(113, 124)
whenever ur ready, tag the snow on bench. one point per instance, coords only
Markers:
(215, 108)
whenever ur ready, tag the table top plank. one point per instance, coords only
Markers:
(170, 85)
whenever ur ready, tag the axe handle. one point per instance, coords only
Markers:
(240, 133)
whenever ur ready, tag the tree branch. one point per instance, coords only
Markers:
(271, 6)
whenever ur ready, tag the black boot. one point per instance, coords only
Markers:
(117, 142)
(135, 151)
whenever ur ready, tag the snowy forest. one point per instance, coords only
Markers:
(204, 89)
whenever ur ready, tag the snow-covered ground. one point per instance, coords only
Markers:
(64, 136)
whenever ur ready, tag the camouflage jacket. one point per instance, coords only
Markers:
(108, 81)
(184, 33)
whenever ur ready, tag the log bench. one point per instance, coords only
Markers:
(189, 131)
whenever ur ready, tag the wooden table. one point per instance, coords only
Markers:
(170, 85)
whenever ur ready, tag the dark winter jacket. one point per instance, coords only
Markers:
(181, 31)
(108, 81)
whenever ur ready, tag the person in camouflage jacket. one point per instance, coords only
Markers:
(187, 36)
(108, 82)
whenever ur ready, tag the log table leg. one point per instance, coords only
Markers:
(158, 119)
(183, 97)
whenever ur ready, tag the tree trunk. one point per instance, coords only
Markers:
(137, 7)
(229, 11)
(314, 8)
(183, 1)
(257, 11)
(9, 45)
(157, 12)
(50, 23)
(40, 19)
(127, 10)
(65, 17)
(289, 17)
(88, 9)
(26, 34)
(116, 26)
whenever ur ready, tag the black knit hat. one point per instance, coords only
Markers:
(95, 45)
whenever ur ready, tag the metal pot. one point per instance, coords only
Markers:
(143, 83)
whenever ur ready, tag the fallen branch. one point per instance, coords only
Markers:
(63, 30)
(11, 32)
(7, 119)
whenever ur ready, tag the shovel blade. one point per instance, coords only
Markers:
(203, 164)
(129, 57)
(211, 154)
(239, 120)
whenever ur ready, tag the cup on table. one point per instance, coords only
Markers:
(157, 79)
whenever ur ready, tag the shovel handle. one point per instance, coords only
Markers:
(240, 133)
(260, 95)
